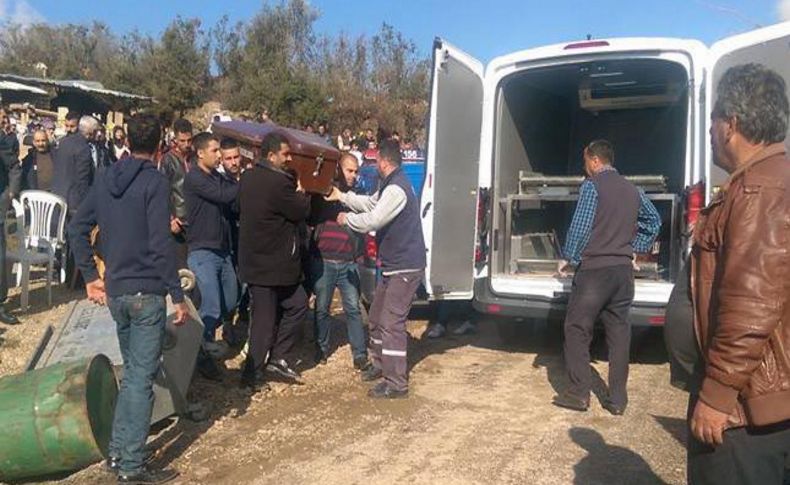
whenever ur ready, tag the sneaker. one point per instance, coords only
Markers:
(147, 477)
(113, 464)
(371, 374)
(437, 330)
(383, 391)
(466, 328)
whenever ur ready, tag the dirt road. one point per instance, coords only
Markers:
(479, 412)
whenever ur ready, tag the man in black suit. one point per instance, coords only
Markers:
(73, 171)
(272, 206)
(9, 177)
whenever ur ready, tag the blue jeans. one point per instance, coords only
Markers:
(326, 276)
(219, 288)
(140, 321)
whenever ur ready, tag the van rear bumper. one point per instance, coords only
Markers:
(486, 301)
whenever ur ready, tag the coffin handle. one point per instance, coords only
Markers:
(319, 162)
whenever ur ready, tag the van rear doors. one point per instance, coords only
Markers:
(770, 47)
(449, 194)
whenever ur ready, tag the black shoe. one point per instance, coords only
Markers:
(282, 368)
(370, 374)
(383, 391)
(437, 330)
(614, 409)
(7, 318)
(320, 357)
(568, 401)
(362, 364)
(113, 464)
(208, 368)
(147, 477)
(254, 382)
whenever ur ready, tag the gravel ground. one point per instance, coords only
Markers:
(479, 411)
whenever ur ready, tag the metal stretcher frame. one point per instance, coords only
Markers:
(674, 243)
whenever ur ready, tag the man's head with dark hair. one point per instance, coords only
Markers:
(72, 122)
(228, 144)
(231, 156)
(182, 126)
(276, 150)
(389, 157)
(207, 149)
(598, 154)
(183, 135)
(144, 133)
(202, 139)
(751, 111)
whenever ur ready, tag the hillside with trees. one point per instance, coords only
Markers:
(275, 61)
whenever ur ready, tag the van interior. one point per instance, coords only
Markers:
(545, 118)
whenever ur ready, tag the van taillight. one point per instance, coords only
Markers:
(371, 249)
(587, 44)
(695, 201)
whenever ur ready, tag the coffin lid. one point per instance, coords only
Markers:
(252, 134)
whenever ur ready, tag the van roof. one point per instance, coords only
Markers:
(597, 46)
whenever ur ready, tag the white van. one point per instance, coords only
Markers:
(505, 158)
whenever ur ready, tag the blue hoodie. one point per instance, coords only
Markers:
(130, 202)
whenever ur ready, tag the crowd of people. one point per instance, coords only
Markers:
(259, 245)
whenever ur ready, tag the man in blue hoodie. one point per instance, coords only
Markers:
(130, 204)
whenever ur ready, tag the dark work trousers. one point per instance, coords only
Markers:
(387, 321)
(182, 250)
(604, 293)
(748, 456)
(278, 313)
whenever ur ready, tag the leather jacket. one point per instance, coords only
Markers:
(740, 287)
(175, 167)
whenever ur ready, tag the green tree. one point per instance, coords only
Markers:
(180, 67)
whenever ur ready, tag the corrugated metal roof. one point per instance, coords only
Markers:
(86, 86)
(15, 86)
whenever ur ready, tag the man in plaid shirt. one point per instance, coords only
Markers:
(613, 221)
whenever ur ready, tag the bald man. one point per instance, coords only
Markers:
(333, 265)
(37, 165)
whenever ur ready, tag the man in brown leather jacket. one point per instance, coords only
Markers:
(740, 286)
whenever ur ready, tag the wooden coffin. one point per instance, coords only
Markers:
(313, 159)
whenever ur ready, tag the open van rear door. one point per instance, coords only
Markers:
(769, 46)
(449, 196)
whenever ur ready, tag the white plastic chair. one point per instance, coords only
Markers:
(44, 235)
